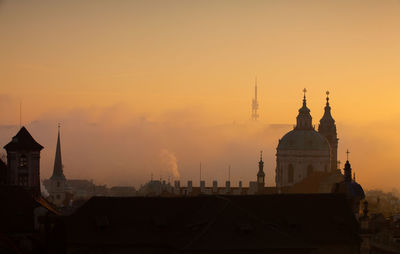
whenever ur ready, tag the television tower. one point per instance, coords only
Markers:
(254, 105)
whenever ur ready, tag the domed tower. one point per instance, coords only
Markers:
(301, 151)
(327, 128)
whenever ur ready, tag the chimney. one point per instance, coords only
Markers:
(215, 186)
(202, 186)
(228, 186)
(189, 186)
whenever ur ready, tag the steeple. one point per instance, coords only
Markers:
(327, 128)
(261, 174)
(304, 119)
(58, 173)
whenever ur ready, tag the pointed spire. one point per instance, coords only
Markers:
(58, 173)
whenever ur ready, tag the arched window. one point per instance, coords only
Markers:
(23, 160)
(310, 170)
(290, 173)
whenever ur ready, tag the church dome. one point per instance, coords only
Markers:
(303, 140)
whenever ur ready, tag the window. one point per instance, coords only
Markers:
(310, 170)
(58, 184)
(23, 160)
(290, 173)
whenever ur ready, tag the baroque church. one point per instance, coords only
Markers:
(303, 151)
(305, 155)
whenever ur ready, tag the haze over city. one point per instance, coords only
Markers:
(156, 87)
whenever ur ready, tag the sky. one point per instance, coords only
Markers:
(147, 88)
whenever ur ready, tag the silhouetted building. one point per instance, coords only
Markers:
(22, 220)
(57, 184)
(353, 191)
(316, 223)
(23, 162)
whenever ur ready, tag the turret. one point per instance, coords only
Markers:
(261, 174)
(327, 128)
(304, 119)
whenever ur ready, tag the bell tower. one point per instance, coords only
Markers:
(23, 157)
(327, 128)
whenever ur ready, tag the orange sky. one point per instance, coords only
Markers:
(130, 80)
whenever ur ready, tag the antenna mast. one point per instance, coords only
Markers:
(254, 105)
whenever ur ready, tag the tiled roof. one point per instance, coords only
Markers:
(261, 222)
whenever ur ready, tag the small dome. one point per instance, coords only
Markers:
(304, 140)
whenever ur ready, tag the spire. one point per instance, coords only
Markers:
(58, 173)
(261, 174)
(304, 119)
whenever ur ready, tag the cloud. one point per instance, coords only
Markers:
(117, 147)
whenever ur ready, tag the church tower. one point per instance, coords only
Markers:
(327, 128)
(23, 157)
(57, 180)
(260, 174)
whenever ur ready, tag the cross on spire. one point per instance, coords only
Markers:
(304, 91)
(261, 155)
(347, 152)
